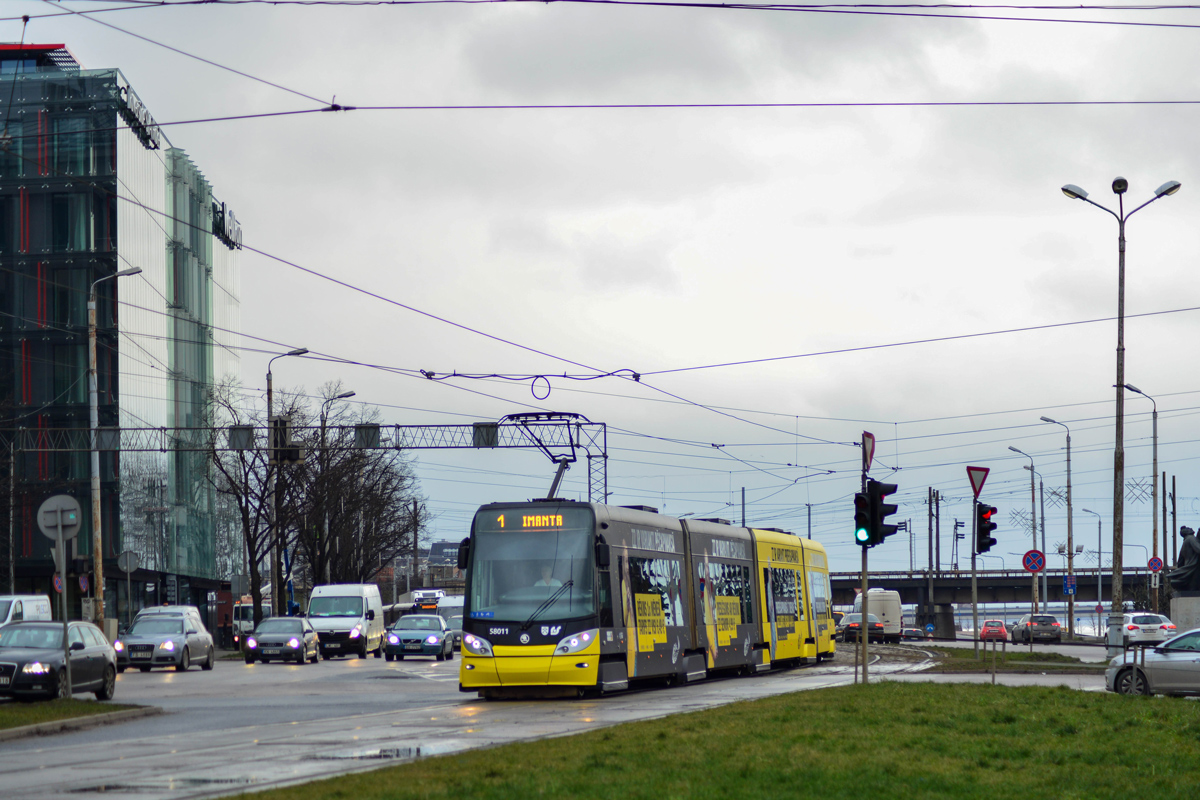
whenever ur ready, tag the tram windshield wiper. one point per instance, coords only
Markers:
(549, 601)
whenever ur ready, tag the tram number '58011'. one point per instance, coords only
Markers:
(497, 631)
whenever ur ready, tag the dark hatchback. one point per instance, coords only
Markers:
(31, 660)
(283, 639)
(1037, 628)
(419, 635)
(851, 623)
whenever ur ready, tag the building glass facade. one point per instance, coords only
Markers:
(89, 187)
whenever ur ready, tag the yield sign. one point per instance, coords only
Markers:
(977, 475)
(868, 445)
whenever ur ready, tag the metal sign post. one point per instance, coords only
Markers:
(127, 562)
(59, 519)
(976, 475)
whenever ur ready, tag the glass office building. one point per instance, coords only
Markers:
(89, 186)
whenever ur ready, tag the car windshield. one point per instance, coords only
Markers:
(160, 626)
(279, 625)
(419, 624)
(335, 607)
(455, 621)
(534, 562)
(39, 636)
(246, 613)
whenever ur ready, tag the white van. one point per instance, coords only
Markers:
(450, 606)
(348, 618)
(17, 607)
(885, 605)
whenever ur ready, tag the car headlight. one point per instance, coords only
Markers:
(576, 642)
(168, 645)
(432, 638)
(357, 632)
(294, 643)
(393, 639)
(476, 646)
(36, 668)
(119, 646)
(252, 643)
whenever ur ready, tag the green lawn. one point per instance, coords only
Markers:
(889, 740)
(960, 659)
(14, 714)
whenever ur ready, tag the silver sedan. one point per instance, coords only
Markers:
(1171, 668)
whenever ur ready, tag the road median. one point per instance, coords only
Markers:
(21, 720)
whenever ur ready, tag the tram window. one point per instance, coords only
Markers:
(661, 577)
(604, 595)
(786, 597)
(727, 580)
(818, 587)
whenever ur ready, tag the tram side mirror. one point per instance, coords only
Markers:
(603, 555)
(464, 553)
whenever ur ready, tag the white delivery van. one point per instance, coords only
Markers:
(348, 618)
(885, 605)
(17, 607)
(450, 606)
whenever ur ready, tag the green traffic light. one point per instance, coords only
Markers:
(862, 535)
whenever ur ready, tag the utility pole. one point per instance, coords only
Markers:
(1163, 495)
(929, 596)
(1174, 526)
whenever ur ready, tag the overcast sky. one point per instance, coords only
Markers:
(663, 239)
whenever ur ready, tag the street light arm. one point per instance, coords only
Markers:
(1086, 199)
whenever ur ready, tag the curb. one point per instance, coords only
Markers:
(78, 723)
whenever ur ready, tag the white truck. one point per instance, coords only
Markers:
(885, 605)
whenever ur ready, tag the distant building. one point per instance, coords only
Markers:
(89, 186)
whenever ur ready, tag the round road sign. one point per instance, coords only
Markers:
(83, 583)
(58, 584)
(1034, 561)
(61, 509)
(1155, 564)
(929, 627)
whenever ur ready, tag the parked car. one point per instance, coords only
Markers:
(32, 663)
(993, 629)
(848, 630)
(1037, 628)
(170, 639)
(419, 635)
(1143, 627)
(283, 639)
(1171, 668)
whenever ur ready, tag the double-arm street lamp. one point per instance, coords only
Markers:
(325, 478)
(1070, 532)
(1032, 519)
(276, 551)
(1154, 486)
(1119, 187)
(94, 420)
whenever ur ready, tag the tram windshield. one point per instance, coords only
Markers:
(533, 564)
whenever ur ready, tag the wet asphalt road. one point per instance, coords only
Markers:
(243, 727)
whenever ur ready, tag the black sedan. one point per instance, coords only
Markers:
(283, 639)
(31, 660)
(419, 635)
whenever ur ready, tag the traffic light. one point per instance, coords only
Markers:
(862, 519)
(880, 511)
(984, 527)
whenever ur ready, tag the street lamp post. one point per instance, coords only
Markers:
(1099, 554)
(94, 421)
(325, 495)
(276, 551)
(1154, 481)
(1070, 533)
(1032, 519)
(1119, 187)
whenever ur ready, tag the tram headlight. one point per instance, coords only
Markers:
(476, 646)
(577, 642)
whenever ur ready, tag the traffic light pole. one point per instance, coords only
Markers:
(864, 628)
(975, 583)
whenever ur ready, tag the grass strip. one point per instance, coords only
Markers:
(14, 714)
(887, 740)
